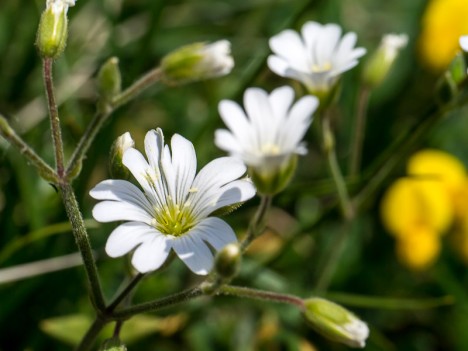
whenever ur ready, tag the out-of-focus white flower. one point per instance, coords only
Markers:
(267, 134)
(172, 211)
(316, 57)
(198, 61)
(464, 42)
(382, 60)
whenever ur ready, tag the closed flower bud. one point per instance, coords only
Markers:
(53, 28)
(335, 322)
(197, 61)
(121, 144)
(113, 344)
(382, 60)
(227, 261)
(109, 80)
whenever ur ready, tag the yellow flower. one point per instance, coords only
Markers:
(442, 25)
(418, 248)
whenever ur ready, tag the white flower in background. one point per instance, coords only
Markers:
(269, 132)
(172, 211)
(391, 44)
(317, 57)
(464, 42)
(58, 6)
(198, 61)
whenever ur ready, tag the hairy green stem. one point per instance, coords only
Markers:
(261, 295)
(90, 337)
(359, 132)
(257, 225)
(54, 116)
(131, 285)
(151, 306)
(330, 152)
(82, 241)
(44, 170)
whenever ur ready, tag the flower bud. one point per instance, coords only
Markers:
(113, 344)
(335, 322)
(53, 28)
(197, 61)
(272, 179)
(116, 168)
(228, 260)
(109, 80)
(382, 60)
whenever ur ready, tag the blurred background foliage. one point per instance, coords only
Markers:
(51, 311)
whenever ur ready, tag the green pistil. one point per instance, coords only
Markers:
(172, 220)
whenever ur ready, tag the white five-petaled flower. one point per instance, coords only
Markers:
(172, 211)
(464, 42)
(317, 57)
(269, 131)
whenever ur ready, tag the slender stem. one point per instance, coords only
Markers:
(90, 337)
(329, 148)
(158, 304)
(359, 132)
(117, 328)
(137, 87)
(132, 284)
(45, 171)
(261, 295)
(102, 115)
(257, 224)
(82, 241)
(54, 117)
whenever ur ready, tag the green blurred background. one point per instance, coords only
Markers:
(36, 312)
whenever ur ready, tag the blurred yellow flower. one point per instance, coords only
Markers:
(419, 208)
(443, 22)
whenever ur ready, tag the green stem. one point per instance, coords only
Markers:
(158, 304)
(137, 87)
(131, 285)
(82, 241)
(257, 224)
(359, 132)
(329, 148)
(45, 171)
(90, 337)
(54, 116)
(261, 295)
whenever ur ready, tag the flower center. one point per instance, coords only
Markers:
(172, 219)
(327, 66)
(270, 149)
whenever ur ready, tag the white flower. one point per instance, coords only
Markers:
(464, 42)
(271, 128)
(317, 57)
(58, 6)
(172, 211)
(198, 61)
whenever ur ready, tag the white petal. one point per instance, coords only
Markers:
(226, 141)
(216, 232)
(236, 120)
(110, 211)
(126, 236)
(289, 46)
(150, 255)
(140, 169)
(184, 161)
(154, 143)
(193, 251)
(232, 193)
(219, 172)
(258, 109)
(299, 120)
(120, 190)
(464, 42)
(278, 65)
(280, 101)
(326, 43)
(311, 31)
